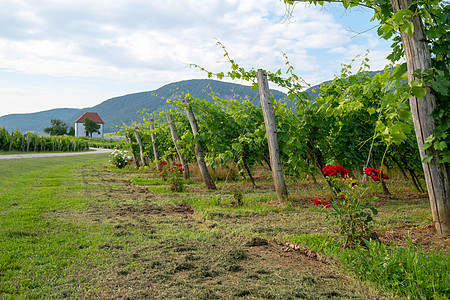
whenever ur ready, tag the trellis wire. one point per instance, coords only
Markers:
(379, 117)
(235, 153)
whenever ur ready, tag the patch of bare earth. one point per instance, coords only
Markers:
(161, 251)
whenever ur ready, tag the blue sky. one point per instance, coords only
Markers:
(65, 53)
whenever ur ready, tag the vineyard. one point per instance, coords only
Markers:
(342, 196)
(338, 127)
(32, 142)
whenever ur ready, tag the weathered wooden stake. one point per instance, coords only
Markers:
(28, 142)
(132, 152)
(175, 138)
(35, 143)
(141, 146)
(272, 138)
(11, 142)
(199, 150)
(22, 147)
(437, 175)
(42, 144)
(153, 136)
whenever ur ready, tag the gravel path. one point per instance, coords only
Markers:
(30, 155)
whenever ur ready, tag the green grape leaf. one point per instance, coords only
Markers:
(440, 145)
(427, 159)
(441, 85)
(445, 157)
(419, 91)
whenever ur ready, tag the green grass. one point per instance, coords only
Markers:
(406, 271)
(74, 227)
(35, 249)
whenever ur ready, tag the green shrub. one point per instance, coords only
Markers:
(120, 158)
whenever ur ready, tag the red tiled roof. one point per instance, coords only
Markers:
(90, 115)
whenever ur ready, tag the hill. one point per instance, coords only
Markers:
(127, 108)
(36, 122)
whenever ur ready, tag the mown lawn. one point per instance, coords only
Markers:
(78, 228)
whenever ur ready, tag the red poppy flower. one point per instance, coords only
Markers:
(375, 178)
(317, 201)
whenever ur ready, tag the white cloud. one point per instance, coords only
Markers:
(148, 43)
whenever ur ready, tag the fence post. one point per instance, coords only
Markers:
(35, 142)
(22, 146)
(132, 151)
(272, 138)
(11, 142)
(199, 149)
(174, 133)
(141, 146)
(153, 136)
(28, 142)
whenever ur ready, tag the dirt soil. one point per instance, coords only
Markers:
(164, 249)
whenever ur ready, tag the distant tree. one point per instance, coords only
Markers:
(71, 131)
(58, 127)
(90, 126)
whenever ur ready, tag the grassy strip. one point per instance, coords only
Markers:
(36, 251)
(71, 227)
(408, 272)
(405, 271)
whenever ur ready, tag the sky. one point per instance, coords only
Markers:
(79, 53)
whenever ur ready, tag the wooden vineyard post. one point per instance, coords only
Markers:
(174, 133)
(11, 142)
(272, 138)
(28, 142)
(132, 152)
(35, 143)
(22, 146)
(42, 143)
(199, 150)
(437, 175)
(141, 146)
(153, 136)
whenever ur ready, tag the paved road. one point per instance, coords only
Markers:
(30, 155)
